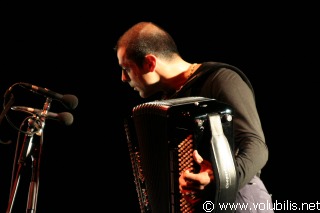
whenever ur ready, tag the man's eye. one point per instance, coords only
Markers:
(124, 69)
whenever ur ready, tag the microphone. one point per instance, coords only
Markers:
(69, 101)
(64, 117)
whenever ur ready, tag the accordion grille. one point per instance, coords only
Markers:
(185, 160)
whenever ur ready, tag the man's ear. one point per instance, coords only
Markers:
(150, 62)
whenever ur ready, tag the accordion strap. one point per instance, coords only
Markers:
(223, 165)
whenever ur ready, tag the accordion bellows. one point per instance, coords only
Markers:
(162, 136)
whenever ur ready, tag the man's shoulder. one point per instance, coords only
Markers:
(211, 69)
(215, 68)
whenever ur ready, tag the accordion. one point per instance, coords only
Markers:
(162, 136)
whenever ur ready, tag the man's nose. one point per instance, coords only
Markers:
(124, 77)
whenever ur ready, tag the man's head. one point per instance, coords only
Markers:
(138, 50)
(146, 38)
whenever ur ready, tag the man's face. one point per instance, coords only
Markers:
(138, 78)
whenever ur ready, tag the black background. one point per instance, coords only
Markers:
(70, 50)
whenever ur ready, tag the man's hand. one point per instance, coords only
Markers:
(190, 184)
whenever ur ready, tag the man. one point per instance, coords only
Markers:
(152, 65)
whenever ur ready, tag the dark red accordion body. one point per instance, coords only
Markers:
(162, 136)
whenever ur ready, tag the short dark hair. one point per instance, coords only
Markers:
(147, 38)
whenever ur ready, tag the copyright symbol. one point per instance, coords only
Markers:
(208, 206)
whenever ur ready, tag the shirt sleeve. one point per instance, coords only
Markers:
(251, 151)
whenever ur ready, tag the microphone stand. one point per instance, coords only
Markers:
(32, 150)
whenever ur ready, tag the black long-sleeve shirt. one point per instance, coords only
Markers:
(224, 83)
